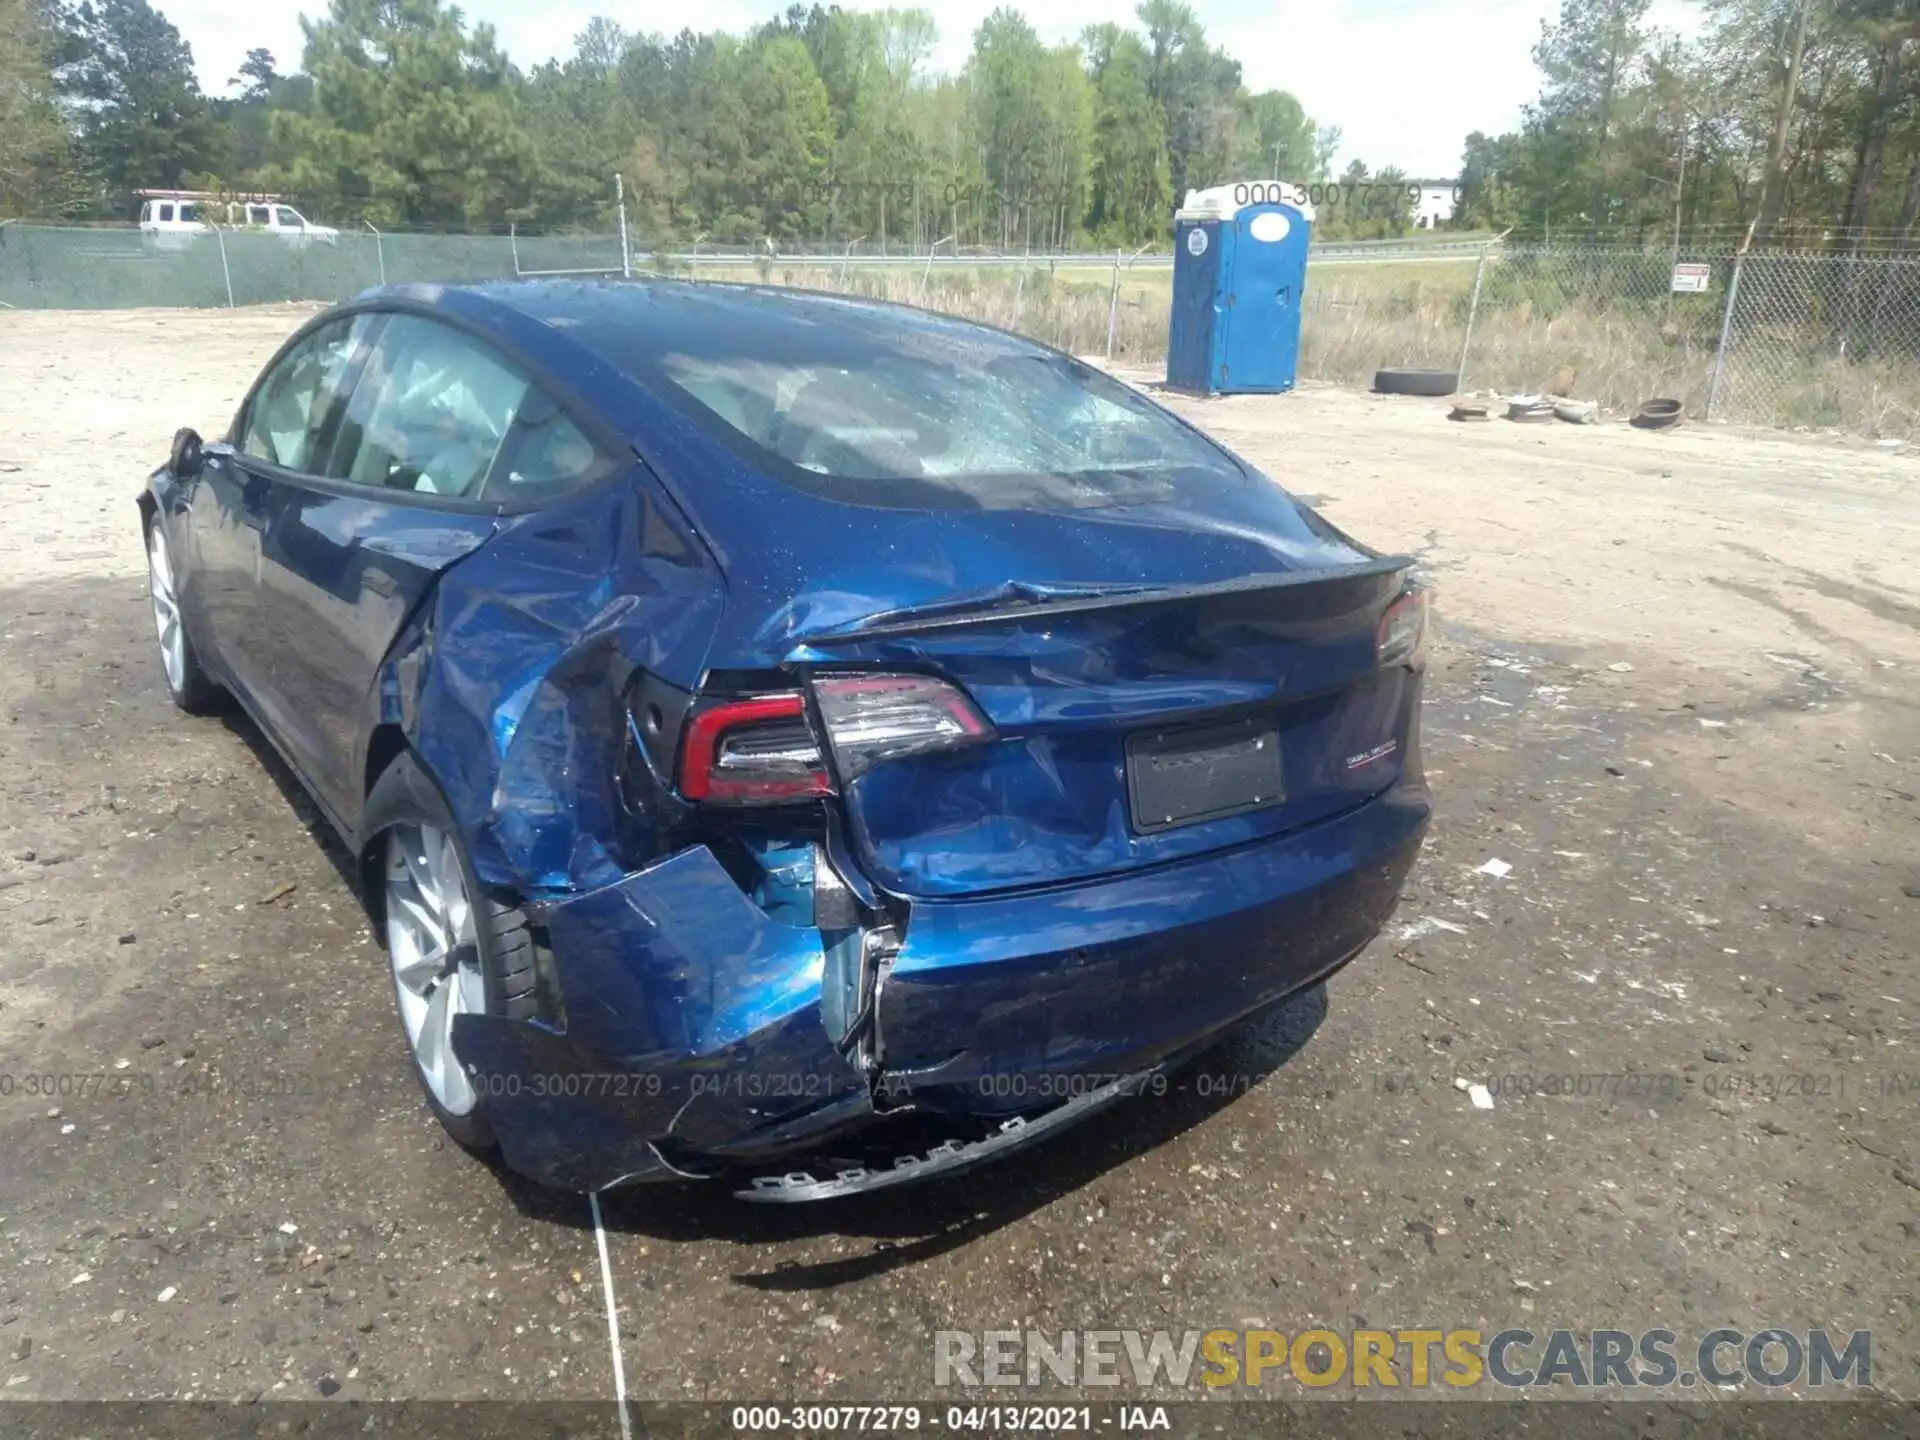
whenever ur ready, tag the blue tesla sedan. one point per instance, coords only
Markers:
(771, 724)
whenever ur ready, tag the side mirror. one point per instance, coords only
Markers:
(186, 457)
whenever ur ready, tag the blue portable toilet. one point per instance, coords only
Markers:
(1239, 270)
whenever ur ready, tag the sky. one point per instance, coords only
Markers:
(1405, 80)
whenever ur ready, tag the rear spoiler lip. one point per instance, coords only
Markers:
(906, 622)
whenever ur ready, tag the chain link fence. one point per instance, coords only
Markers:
(1812, 341)
(1803, 341)
(48, 268)
(1824, 342)
(1597, 324)
(1591, 323)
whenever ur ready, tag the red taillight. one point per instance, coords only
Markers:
(752, 752)
(763, 751)
(1403, 629)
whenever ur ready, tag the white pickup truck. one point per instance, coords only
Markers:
(285, 221)
(173, 220)
(172, 223)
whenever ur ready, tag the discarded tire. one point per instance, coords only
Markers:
(1416, 382)
(1657, 415)
(1530, 411)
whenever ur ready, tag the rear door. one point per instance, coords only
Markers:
(440, 434)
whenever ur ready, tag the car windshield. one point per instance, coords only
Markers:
(1019, 431)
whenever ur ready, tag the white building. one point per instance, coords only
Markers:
(1436, 204)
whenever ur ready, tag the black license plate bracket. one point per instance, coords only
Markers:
(1181, 775)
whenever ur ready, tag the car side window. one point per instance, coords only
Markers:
(430, 413)
(546, 455)
(292, 404)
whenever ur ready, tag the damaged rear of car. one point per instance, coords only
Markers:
(895, 728)
(1036, 741)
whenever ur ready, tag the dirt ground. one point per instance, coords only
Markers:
(1675, 690)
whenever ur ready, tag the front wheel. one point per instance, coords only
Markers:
(189, 686)
(452, 950)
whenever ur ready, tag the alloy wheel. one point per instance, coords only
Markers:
(166, 608)
(435, 958)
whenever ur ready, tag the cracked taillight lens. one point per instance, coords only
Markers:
(759, 751)
(874, 718)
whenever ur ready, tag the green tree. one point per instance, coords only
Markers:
(1278, 140)
(1589, 57)
(140, 119)
(1885, 31)
(1033, 116)
(580, 131)
(256, 78)
(248, 117)
(789, 139)
(415, 119)
(36, 160)
(1131, 190)
(880, 149)
(1491, 190)
(820, 123)
(1199, 94)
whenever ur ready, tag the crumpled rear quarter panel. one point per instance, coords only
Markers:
(511, 687)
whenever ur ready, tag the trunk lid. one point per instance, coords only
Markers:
(1130, 728)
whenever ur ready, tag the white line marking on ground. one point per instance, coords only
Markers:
(613, 1317)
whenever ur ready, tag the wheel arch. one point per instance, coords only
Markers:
(386, 744)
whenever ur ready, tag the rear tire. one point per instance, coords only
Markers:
(451, 948)
(1416, 382)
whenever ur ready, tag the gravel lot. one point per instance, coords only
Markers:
(1675, 692)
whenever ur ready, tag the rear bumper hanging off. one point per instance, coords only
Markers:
(694, 1042)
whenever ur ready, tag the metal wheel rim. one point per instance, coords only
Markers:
(166, 608)
(435, 960)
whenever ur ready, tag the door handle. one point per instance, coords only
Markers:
(253, 501)
(379, 583)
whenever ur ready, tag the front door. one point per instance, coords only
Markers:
(280, 433)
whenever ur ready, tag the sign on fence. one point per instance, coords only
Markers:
(1691, 279)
